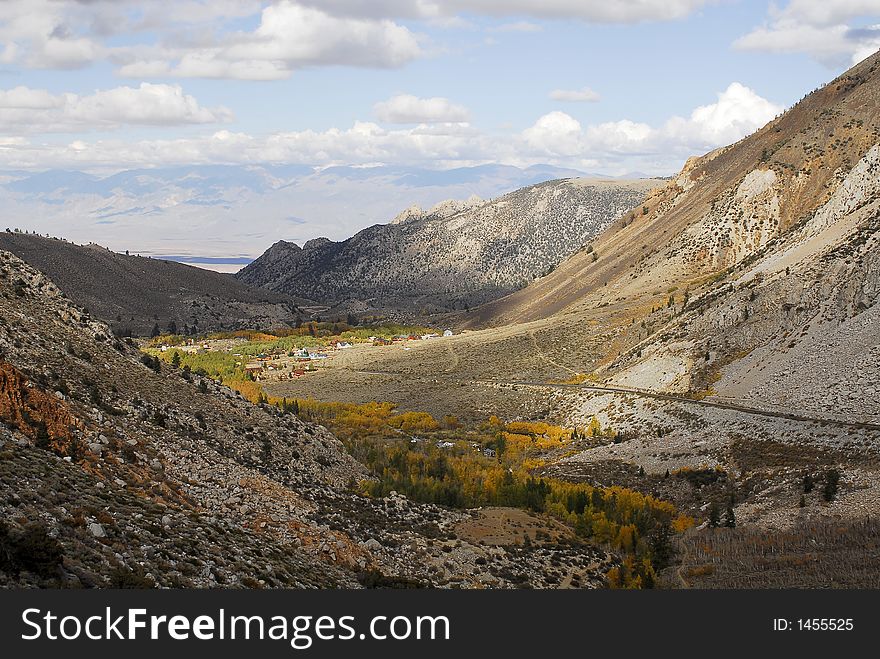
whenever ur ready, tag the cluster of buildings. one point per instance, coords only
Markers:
(400, 338)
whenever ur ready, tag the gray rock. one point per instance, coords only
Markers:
(372, 544)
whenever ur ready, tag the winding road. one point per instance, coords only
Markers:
(863, 425)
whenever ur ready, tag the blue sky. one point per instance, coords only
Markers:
(94, 84)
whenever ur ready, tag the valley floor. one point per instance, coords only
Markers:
(766, 458)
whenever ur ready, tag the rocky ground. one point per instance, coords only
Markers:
(763, 459)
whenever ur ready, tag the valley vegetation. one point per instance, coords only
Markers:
(446, 463)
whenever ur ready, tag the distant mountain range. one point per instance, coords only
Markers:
(230, 213)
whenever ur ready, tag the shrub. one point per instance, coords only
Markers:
(122, 577)
(33, 550)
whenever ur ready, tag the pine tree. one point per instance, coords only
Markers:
(175, 360)
(155, 331)
(832, 478)
(660, 542)
(729, 518)
(808, 483)
(714, 516)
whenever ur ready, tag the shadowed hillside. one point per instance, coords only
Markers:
(454, 256)
(133, 293)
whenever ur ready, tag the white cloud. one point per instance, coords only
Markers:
(365, 142)
(408, 109)
(39, 35)
(196, 38)
(192, 38)
(826, 12)
(600, 11)
(302, 36)
(623, 137)
(28, 110)
(555, 133)
(583, 95)
(289, 37)
(737, 112)
(555, 138)
(24, 98)
(821, 29)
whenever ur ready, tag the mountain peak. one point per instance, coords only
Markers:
(414, 211)
(315, 243)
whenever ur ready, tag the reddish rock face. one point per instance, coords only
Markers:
(32, 410)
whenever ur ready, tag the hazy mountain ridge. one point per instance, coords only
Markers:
(236, 210)
(455, 255)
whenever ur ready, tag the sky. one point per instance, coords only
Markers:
(599, 86)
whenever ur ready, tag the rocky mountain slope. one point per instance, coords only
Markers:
(133, 293)
(454, 256)
(727, 330)
(117, 470)
(795, 324)
(722, 208)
